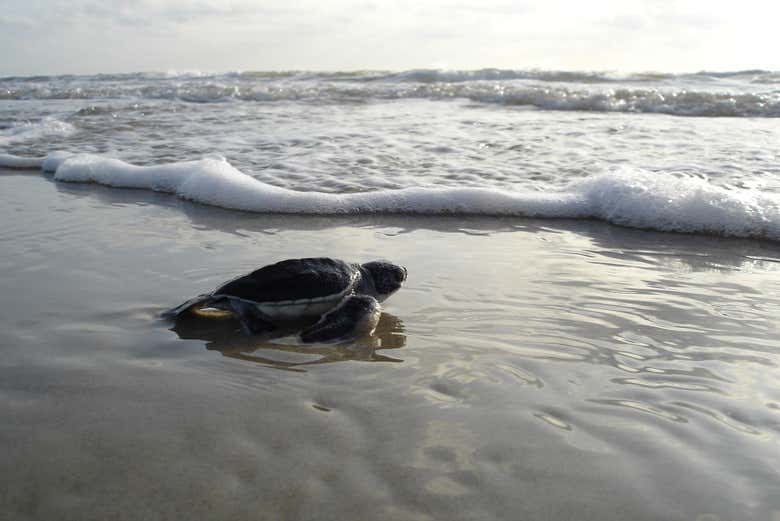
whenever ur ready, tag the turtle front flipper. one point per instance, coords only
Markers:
(356, 315)
(253, 322)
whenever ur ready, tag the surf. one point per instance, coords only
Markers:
(624, 196)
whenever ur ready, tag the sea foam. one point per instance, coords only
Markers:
(46, 127)
(11, 161)
(627, 196)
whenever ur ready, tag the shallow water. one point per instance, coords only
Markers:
(529, 370)
(347, 147)
(691, 152)
(362, 131)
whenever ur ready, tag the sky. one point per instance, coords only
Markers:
(93, 36)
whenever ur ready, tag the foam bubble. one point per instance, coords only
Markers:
(53, 160)
(661, 201)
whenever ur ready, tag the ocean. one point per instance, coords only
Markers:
(589, 328)
(693, 152)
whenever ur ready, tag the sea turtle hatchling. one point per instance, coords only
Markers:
(345, 296)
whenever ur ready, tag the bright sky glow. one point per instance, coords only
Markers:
(90, 36)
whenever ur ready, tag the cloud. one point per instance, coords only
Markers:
(16, 22)
(49, 36)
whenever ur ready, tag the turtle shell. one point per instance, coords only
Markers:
(295, 286)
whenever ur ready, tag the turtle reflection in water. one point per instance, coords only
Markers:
(343, 297)
(222, 332)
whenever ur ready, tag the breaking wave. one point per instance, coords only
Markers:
(704, 94)
(46, 127)
(628, 197)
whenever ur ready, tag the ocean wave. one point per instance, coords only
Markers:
(562, 76)
(28, 130)
(627, 197)
(459, 76)
(17, 162)
(413, 75)
(662, 99)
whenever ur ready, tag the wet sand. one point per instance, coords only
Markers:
(535, 370)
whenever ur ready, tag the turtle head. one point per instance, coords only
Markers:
(386, 276)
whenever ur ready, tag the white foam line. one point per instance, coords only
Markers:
(216, 182)
(628, 197)
(30, 163)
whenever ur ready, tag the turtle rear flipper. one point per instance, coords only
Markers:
(253, 322)
(201, 301)
(357, 315)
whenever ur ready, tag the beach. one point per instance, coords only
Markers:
(530, 369)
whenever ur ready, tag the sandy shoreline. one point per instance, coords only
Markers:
(530, 369)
